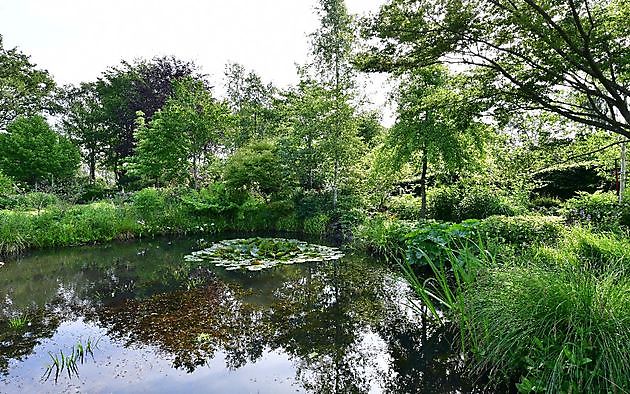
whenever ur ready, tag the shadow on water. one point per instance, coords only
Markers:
(166, 324)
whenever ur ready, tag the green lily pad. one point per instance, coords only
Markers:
(256, 254)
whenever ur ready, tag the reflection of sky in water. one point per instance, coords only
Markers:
(313, 327)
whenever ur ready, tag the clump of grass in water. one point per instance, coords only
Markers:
(69, 362)
(18, 323)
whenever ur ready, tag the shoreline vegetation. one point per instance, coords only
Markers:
(555, 284)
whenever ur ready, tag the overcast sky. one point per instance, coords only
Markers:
(77, 39)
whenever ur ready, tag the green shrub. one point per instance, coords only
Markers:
(443, 203)
(458, 203)
(480, 203)
(522, 230)
(383, 235)
(566, 180)
(316, 225)
(93, 191)
(212, 200)
(37, 200)
(545, 202)
(432, 242)
(6, 185)
(289, 223)
(582, 247)
(406, 206)
(600, 210)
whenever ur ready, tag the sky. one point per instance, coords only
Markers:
(75, 40)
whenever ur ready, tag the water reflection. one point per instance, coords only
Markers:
(337, 327)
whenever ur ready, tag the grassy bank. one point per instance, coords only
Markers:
(539, 306)
(147, 213)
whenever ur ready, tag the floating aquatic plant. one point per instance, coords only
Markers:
(256, 254)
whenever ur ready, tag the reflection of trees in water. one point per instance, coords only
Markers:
(342, 323)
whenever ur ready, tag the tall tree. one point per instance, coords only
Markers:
(24, 89)
(332, 48)
(174, 145)
(139, 86)
(82, 121)
(435, 125)
(252, 101)
(32, 152)
(568, 57)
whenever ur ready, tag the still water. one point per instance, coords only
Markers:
(154, 323)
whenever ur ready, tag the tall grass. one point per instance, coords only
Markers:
(546, 321)
(561, 330)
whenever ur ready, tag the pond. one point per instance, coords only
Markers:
(146, 321)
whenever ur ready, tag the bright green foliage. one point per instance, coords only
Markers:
(32, 152)
(6, 184)
(565, 57)
(257, 168)
(253, 105)
(406, 206)
(432, 242)
(36, 201)
(384, 236)
(322, 145)
(562, 329)
(24, 89)
(181, 137)
(460, 202)
(435, 125)
(522, 230)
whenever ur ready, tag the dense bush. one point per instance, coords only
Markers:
(383, 235)
(600, 210)
(522, 230)
(433, 242)
(582, 247)
(405, 206)
(36, 200)
(567, 180)
(458, 203)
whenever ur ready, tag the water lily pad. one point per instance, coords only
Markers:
(256, 254)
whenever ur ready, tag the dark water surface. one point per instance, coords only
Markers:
(158, 324)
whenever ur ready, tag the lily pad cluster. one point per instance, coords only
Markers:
(256, 254)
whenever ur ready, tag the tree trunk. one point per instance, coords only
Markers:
(194, 163)
(92, 165)
(423, 185)
(622, 172)
(335, 180)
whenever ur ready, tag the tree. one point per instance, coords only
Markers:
(140, 86)
(82, 121)
(32, 152)
(24, 89)
(332, 48)
(174, 144)
(435, 124)
(252, 101)
(257, 168)
(321, 142)
(568, 57)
